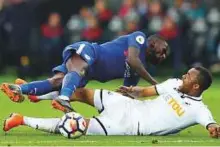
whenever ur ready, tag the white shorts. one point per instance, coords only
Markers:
(116, 115)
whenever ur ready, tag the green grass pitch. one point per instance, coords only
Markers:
(194, 136)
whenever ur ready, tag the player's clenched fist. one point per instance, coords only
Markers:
(214, 130)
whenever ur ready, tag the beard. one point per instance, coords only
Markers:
(152, 58)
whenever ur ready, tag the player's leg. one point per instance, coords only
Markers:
(108, 104)
(95, 126)
(76, 71)
(97, 98)
(93, 97)
(15, 92)
(84, 95)
(43, 87)
(43, 124)
(77, 58)
(49, 96)
(46, 124)
(35, 98)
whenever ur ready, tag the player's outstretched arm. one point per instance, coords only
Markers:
(214, 130)
(138, 91)
(136, 64)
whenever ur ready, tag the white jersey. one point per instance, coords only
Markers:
(169, 113)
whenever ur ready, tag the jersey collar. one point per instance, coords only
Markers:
(183, 95)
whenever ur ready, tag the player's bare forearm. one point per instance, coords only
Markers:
(136, 64)
(145, 91)
(138, 91)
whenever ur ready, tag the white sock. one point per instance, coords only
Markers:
(63, 97)
(49, 96)
(43, 124)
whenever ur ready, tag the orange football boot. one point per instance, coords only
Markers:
(13, 92)
(13, 121)
(62, 105)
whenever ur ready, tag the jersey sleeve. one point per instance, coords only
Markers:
(204, 116)
(137, 40)
(168, 86)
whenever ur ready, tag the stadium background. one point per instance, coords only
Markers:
(34, 32)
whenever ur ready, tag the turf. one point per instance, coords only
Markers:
(194, 136)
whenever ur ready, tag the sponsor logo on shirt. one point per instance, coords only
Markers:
(176, 107)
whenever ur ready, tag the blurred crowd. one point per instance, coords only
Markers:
(192, 28)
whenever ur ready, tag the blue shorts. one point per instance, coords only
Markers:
(84, 49)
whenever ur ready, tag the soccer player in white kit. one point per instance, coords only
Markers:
(178, 106)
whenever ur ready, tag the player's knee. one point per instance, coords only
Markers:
(77, 64)
(56, 80)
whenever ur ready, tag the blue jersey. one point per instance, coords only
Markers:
(111, 58)
(108, 61)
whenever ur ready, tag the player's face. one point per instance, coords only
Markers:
(158, 53)
(190, 81)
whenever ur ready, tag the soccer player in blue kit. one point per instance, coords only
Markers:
(125, 57)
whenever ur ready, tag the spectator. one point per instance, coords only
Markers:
(52, 40)
(131, 22)
(195, 10)
(76, 24)
(142, 7)
(92, 32)
(213, 20)
(170, 32)
(198, 34)
(126, 6)
(103, 14)
(115, 27)
(154, 17)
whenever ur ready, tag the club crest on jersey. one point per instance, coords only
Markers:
(140, 39)
(87, 57)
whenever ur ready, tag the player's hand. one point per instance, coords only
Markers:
(214, 130)
(126, 91)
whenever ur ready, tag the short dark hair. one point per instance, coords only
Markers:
(204, 78)
(154, 38)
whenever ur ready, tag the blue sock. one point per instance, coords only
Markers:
(36, 88)
(70, 82)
